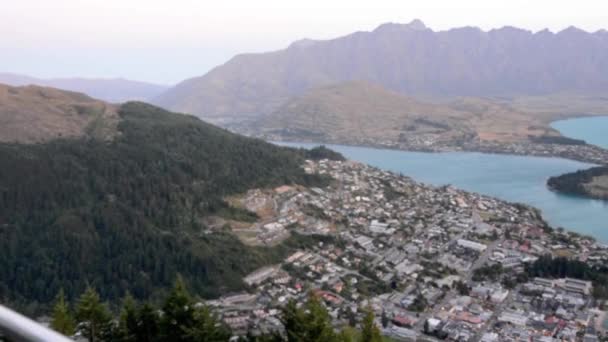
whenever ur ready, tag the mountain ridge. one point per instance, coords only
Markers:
(406, 58)
(106, 89)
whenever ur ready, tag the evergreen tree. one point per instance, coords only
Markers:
(206, 327)
(369, 330)
(426, 328)
(128, 324)
(178, 313)
(148, 325)
(318, 322)
(346, 335)
(94, 317)
(384, 319)
(62, 320)
(310, 323)
(461, 287)
(293, 319)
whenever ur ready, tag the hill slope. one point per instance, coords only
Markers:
(409, 59)
(126, 214)
(36, 114)
(363, 113)
(111, 90)
(591, 183)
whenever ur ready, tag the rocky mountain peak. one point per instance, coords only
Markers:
(414, 25)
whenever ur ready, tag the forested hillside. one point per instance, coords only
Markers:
(126, 214)
(590, 183)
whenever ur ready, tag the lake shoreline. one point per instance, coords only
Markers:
(509, 177)
(567, 146)
(513, 149)
(590, 183)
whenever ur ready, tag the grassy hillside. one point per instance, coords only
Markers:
(35, 114)
(355, 108)
(125, 214)
(359, 112)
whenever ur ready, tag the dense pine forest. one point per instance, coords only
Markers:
(125, 215)
(574, 183)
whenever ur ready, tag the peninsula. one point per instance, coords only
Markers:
(589, 183)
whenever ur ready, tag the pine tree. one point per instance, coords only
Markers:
(94, 316)
(138, 324)
(206, 327)
(369, 330)
(62, 320)
(294, 322)
(346, 335)
(148, 325)
(318, 322)
(384, 319)
(310, 323)
(426, 328)
(178, 313)
(128, 324)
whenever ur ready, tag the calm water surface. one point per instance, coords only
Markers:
(512, 178)
(592, 130)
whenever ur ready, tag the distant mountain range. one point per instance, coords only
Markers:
(409, 59)
(111, 90)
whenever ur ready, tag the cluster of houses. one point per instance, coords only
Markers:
(585, 153)
(432, 262)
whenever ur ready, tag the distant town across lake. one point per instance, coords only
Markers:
(513, 178)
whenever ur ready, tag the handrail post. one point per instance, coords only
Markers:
(20, 328)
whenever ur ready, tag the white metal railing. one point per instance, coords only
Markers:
(20, 328)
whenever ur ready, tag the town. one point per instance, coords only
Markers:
(432, 143)
(434, 263)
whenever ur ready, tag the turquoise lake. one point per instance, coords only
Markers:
(512, 178)
(592, 130)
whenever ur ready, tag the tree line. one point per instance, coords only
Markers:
(561, 267)
(574, 183)
(180, 318)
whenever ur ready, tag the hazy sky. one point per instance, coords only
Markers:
(169, 40)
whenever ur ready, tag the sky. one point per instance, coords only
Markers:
(166, 41)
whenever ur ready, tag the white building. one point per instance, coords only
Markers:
(576, 286)
(499, 296)
(476, 246)
(260, 275)
(513, 318)
(365, 242)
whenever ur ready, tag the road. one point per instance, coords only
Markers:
(497, 312)
(481, 260)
